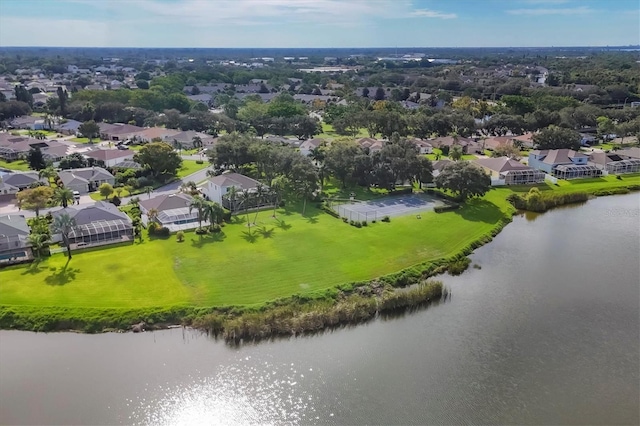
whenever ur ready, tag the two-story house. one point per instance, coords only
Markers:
(563, 163)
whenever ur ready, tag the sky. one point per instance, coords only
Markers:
(319, 23)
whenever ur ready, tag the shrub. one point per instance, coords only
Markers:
(201, 231)
(459, 266)
(446, 208)
(116, 201)
(345, 220)
(386, 219)
(199, 162)
(215, 228)
(364, 223)
(329, 211)
(152, 227)
(180, 236)
(163, 232)
(358, 224)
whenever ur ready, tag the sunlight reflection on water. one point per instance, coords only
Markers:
(236, 395)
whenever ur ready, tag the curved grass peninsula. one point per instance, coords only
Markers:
(291, 274)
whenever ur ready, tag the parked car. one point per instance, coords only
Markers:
(76, 195)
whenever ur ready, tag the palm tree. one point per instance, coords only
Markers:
(38, 243)
(199, 204)
(245, 196)
(278, 184)
(47, 173)
(152, 214)
(197, 142)
(260, 192)
(456, 152)
(148, 190)
(213, 212)
(232, 195)
(64, 224)
(63, 196)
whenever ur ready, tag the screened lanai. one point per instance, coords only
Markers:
(631, 165)
(522, 177)
(102, 231)
(179, 219)
(570, 171)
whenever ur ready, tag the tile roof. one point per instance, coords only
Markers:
(167, 202)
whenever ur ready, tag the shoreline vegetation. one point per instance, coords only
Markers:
(340, 305)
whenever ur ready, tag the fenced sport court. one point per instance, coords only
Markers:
(399, 205)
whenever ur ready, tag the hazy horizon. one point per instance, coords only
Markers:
(308, 24)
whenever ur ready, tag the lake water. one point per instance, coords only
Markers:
(547, 332)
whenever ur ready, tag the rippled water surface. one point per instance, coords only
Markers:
(546, 332)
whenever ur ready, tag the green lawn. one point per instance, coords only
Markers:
(85, 140)
(190, 166)
(284, 256)
(329, 133)
(14, 165)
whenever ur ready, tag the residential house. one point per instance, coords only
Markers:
(21, 180)
(506, 171)
(151, 133)
(217, 189)
(7, 191)
(614, 163)
(118, 131)
(468, 145)
(14, 239)
(69, 127)
(97, 225)
(171, 211)
(370, 145)
(28, 122)
(423, 146)
(563, 163)
(309, 145)
(85, 180)
(439, 165)
(630, 152)
(185, 140)
(110, 157)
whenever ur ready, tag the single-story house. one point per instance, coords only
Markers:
(151, 133)
(97, 225)
(14, 239)
(28, 122)
(369, 144)
(423, 146)
(118, 131)
(86, 179)
(110, 157)
(171, 211)
(563, 163)
(185, 140)
(21, 180)
(630, 152)
(218, 189)
(309, 145)
(69, 127)
(7, 190)
(506, 171)
(439, 165)
(469, 146)
(614, 163)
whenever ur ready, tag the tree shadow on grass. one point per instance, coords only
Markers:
(34, 268)
(62, 275)
(478, 210)
(283, 225)
(312, 219)
(200, 240)
(249, 237)
(266, 233)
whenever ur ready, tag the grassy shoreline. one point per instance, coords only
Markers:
(217, 306)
